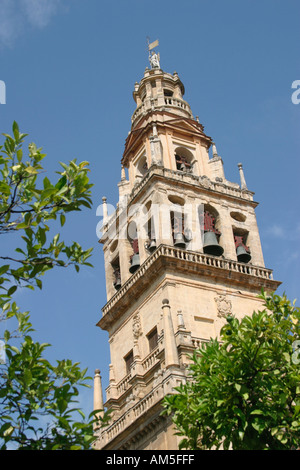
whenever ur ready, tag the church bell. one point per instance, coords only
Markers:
(135, 263)
(152, 245)
(179, 241)
(242, 255)
(211, 245)
(117, 283)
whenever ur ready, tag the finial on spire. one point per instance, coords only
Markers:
(123, 174)
(153, 56)
(242, 176)
(214, 150)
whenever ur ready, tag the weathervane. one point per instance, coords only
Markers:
(153, 56)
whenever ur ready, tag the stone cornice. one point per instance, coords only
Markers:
(199, 265)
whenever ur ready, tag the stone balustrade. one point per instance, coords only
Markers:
(176, 102)
(134, 411)
(123, 385)
(190, 256)
(150, 360)
(198, 342)
(169, 101)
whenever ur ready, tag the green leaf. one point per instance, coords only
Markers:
(61, 182)
(30, 170)
(4, 269)
(16, 130)
(42, 235)
(62, 219)
(4, 188)
(27, 376)
(19, 155)
(12, 290)
(46, 183)
(48, 193)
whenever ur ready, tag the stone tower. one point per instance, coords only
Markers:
(182, 251)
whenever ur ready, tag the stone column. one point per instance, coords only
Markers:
(98, 397)
(171, 352)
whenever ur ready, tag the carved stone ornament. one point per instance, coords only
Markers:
(205, 182)
(224, 306)
(136, 326)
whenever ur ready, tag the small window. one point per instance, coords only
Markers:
(128, 361)
(153, 339)
(168, 93)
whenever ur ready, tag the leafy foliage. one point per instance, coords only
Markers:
(37, 398)
(244, 391)
(28, 208)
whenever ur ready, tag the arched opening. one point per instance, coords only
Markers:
(177, 227)
(142, 166)
(134, 259)
(116, 273)
(184, 159)
(209, 221)
(242, 250)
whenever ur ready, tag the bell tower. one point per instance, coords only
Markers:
(182, 251)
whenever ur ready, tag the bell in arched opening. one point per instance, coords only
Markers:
(211, 245)
(134, 263)
(179, 241)
(117, 281)
(151, 246)
(242, 251)
(135, 258)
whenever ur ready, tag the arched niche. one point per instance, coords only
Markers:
(184, 159)
(141, 166)
(209, 225)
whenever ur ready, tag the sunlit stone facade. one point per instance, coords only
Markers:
(182, 252)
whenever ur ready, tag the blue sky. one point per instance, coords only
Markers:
(70, 66)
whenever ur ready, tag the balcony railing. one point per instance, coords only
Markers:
(150, 360)
(189, 256)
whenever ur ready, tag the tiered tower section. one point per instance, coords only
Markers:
(182, 251)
